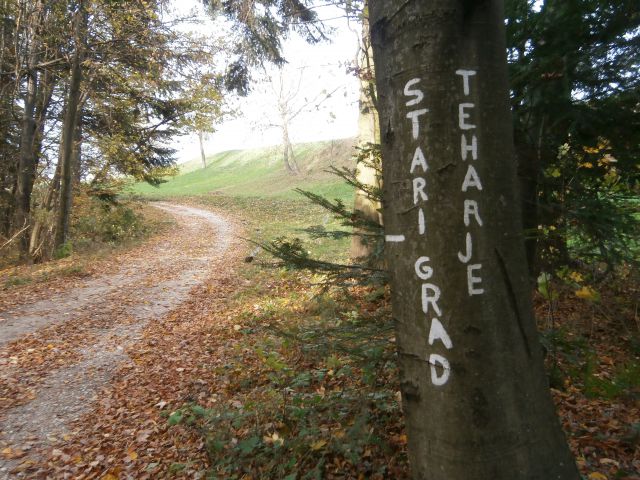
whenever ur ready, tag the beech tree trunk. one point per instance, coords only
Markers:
(474, 391)
(368, 133)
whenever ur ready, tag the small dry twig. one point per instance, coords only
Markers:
(16, 235)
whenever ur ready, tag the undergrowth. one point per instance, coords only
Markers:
(97, 230)
(313, 390)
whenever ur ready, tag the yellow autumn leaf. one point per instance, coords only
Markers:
(587, 293)
(597, 476)
(132, 455)
(576, 277)
(318, 445)
(109, 476)
(608, 159)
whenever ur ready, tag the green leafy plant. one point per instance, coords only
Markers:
(63, 251)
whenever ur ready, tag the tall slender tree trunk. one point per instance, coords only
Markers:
(43, 102)
(7, 83)
(27, 162)
(202, 155)
(69, 130)
(368, 134)
(287, 150)
(77, 146)
(474, 391)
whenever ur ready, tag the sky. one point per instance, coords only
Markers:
(312, 71)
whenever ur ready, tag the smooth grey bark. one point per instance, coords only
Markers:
(368, 133)
(474, 391)
(202, 155)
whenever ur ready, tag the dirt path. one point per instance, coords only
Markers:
(57, 353)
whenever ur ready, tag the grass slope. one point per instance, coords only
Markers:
(261, 173)
(254, 185)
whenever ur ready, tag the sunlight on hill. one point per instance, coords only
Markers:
(261, 173)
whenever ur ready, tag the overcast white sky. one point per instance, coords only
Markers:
(320, 67)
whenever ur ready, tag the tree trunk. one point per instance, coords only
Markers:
(368, 133)
(37, 238)
(69, 131)
(474, 391)
(27, 162)
(287, 150)
(77, 146)
(7, 92)
(202, 155)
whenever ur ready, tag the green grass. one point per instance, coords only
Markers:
(254, 185)
(269, 218)
(260, 173)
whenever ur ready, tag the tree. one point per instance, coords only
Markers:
(100, 98)
(574, 95)
(288, 99)
(34, 14)
(261, 25)
(368, 134)
(71, 125)
(475, 396)
(208, 108)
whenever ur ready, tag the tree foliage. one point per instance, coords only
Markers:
(259, 27)
(119, 85)
(575, 98)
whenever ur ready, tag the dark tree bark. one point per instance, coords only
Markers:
(46, 86)
(474, 390)
(27, 162)
(71, 116)
(77, 145)
(7, 128)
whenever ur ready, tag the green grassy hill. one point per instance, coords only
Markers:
(255, 186)
(261, 173)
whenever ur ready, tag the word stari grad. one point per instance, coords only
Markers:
(470, 215)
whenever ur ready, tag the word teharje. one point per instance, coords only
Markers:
(430, 292)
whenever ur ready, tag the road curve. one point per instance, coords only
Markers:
(89, 327)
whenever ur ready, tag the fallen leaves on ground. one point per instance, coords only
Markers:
(205, 353)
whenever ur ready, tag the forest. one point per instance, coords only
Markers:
(453, 293)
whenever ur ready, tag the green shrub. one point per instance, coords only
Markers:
(97, 220)
(63, 251)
